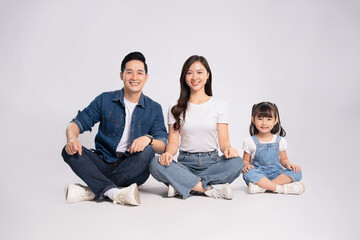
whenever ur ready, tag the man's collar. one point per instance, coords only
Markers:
(120, 97)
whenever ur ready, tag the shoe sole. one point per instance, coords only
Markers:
(229, 192)
(137, 195)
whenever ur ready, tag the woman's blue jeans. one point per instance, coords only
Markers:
(190, 168)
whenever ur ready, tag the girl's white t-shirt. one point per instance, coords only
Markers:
(199, 132)
(249, 146)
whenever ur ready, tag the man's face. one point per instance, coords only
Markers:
(134, 76)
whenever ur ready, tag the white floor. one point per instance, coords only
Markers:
(56, 56)
(33, 206)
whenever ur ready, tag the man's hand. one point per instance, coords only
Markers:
(73, 146)
(139, 144)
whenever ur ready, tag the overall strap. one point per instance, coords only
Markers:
(278, 138)
(256, 140)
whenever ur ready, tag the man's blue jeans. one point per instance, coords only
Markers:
(191, 168)
(100, 175)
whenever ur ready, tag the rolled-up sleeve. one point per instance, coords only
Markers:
(158, 129)
(89, 116)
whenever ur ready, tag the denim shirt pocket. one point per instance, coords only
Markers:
(144, 128)
(111, 124)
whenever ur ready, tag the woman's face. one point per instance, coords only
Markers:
(196, 77)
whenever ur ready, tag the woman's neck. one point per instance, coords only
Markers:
(199, 97)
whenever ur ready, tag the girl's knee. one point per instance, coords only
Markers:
(297, 176)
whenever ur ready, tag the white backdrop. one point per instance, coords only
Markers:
(56, 56)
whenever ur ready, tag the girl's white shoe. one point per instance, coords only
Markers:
(294, 188)
(254, 188)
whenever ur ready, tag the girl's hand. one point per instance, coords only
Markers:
(231, 152)
(166, 158)
(247, 167)
(295, 168)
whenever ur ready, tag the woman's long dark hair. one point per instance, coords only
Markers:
(265, 109)
(182, 102)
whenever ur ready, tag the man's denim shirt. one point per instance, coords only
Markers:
(109, 109)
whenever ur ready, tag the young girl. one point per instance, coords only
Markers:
(265, 154)
(200, 121)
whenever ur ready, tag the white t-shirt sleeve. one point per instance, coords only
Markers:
(282, 144)
(171, 119)
(223, 112)
(249, 146)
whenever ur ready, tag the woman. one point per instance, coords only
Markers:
(201, 121)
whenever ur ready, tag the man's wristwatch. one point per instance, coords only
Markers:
(151, 138)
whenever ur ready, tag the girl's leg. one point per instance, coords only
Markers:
(282, 179)
(267, 184)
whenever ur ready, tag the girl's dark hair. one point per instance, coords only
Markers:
(266, 109)
(182, 102)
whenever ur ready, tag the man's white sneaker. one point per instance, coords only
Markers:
(254, 188)
(220, 191)
(128, 196)
(77, 193)
(171, 191)
(294, 188)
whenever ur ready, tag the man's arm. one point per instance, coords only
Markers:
(73, 145)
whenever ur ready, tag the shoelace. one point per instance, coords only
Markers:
(119, 199)
(217, 193)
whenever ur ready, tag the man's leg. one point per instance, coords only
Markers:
(91, 168)
(133, 169)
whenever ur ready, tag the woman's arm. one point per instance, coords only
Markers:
(171, 149)
(225, 146)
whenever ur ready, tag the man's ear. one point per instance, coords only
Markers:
(121, 76)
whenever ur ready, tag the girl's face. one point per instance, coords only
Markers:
(264, 124)
(196, 77)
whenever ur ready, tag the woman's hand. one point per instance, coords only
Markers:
(231, 152)
(295, 168)
(166, 158)
(247, 167)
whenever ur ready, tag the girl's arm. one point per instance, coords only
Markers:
(225, 146)
(286, 163)
(246, 160)
(171, 149)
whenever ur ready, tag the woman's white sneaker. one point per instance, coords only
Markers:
(77, 193)
(222, 191)
(172, 192)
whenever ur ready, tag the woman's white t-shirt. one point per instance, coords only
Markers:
(199, 132)
(249, 146)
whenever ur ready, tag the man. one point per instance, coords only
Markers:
(131, 130)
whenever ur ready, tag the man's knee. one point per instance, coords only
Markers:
(147, 154)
